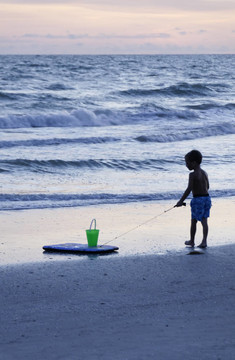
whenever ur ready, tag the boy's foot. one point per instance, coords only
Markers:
(202, 245)
(189, 243)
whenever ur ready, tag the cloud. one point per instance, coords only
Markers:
(51, 36)
(183, 32)
(99, 36)
(137, 36)
(102, 26)
(31, 36)
(121, 5)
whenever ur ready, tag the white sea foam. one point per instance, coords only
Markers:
(77, 118)
(42, 201)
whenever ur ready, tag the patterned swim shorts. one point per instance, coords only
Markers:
(200, 207)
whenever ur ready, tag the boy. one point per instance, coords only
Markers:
(201, 202)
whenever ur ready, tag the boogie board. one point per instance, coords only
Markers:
(80, 248)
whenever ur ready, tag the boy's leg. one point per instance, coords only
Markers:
(192, 232)
(205, 233)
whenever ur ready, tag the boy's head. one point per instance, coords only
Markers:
(193, 158)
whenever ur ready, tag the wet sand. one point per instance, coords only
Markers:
(23, 233)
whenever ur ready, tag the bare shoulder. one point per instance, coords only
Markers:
(191, 175)
(204, 173)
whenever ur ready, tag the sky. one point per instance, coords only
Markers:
(117, 27)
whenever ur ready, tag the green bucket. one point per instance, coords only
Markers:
(92, 235)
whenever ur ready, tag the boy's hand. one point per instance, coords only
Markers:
(180, 203)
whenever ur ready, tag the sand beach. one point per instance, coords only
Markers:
(149, 301)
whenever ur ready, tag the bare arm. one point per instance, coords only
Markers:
(208, 184)
(187, 191)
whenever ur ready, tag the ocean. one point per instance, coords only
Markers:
(90, 130)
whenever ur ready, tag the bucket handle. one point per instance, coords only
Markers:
(93, 220)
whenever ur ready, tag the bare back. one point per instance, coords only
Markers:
(200, 182)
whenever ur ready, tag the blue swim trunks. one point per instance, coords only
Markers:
(200, 207)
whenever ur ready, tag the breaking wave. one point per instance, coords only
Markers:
(57, 141)
(225, 128)
(42, 201)
(181, 89)
(77, 118)
(60, 165)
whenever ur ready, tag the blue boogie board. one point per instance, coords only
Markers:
(80, 248)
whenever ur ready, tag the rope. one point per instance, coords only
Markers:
(138, 226)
